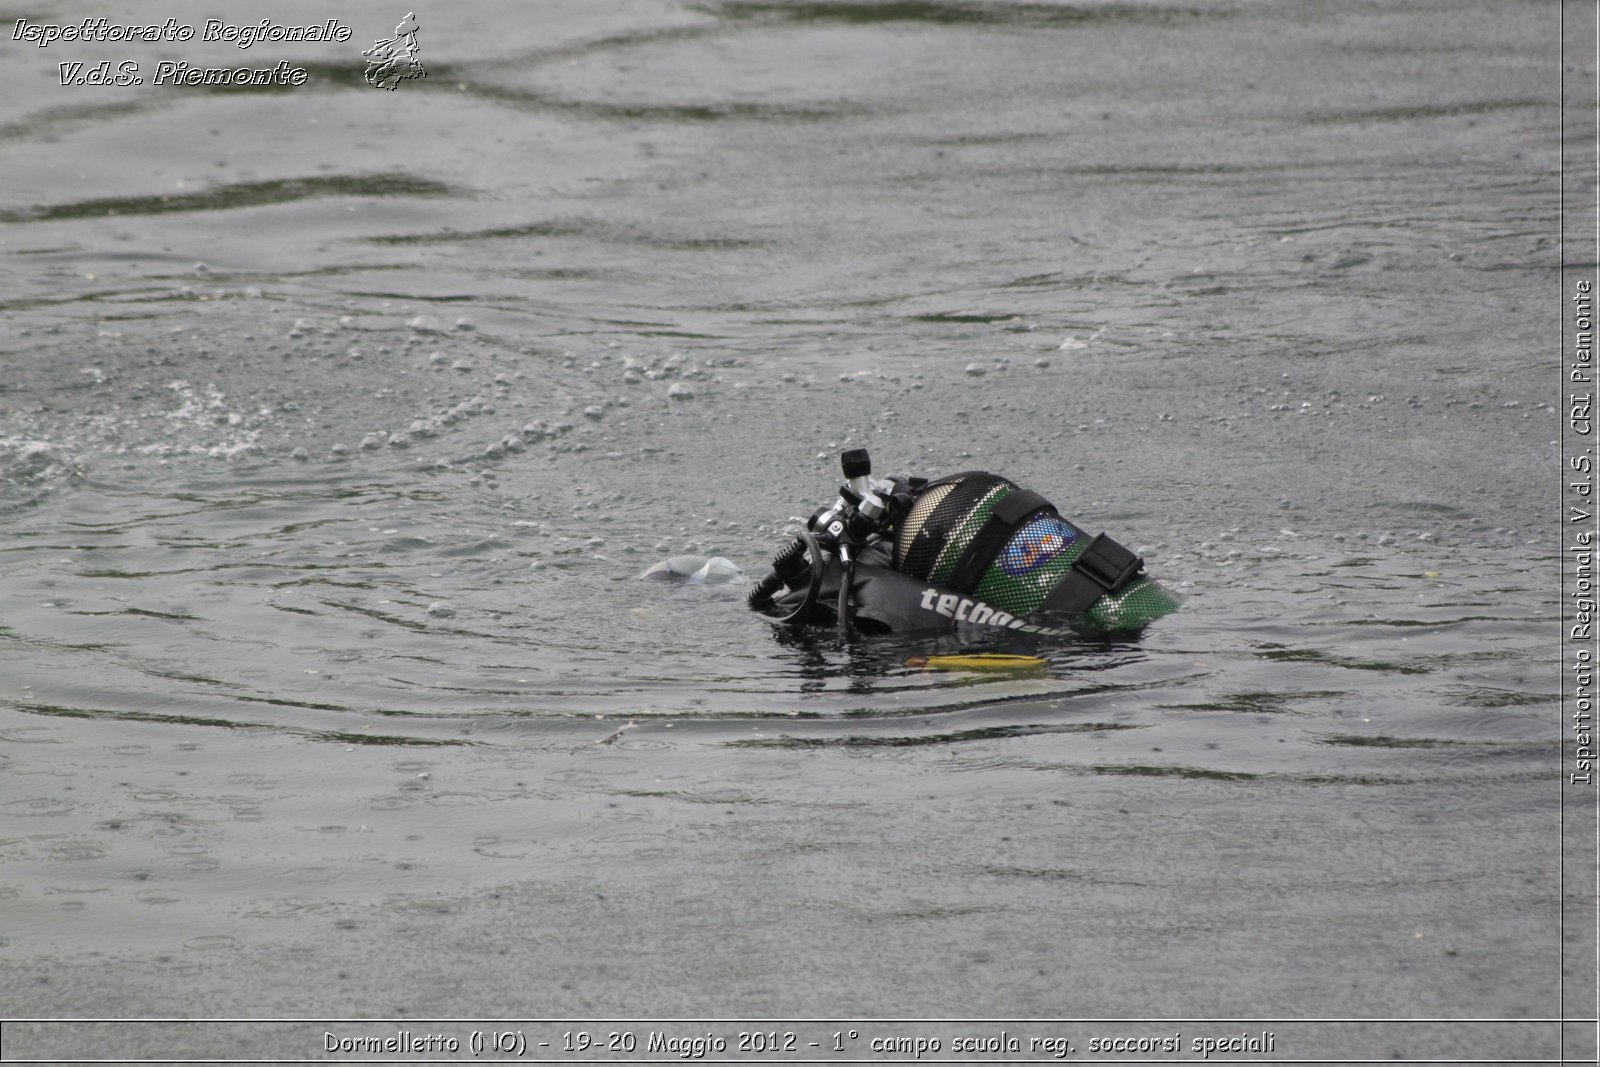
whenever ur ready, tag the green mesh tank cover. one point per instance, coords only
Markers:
(1035, 558)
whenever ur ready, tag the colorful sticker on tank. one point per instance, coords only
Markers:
(1036, 544)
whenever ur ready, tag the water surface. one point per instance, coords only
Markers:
(336, 426)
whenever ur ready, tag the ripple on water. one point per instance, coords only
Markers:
(69, 851)
(40, 806)
(212, 943)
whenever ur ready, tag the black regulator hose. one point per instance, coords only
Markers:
(847, 559)
(784, 567)
(804, 554)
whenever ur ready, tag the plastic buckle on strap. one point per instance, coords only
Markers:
(1107, 563)
(1104, 566)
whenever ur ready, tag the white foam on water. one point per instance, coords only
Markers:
(34, 463)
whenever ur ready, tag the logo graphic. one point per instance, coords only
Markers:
(393, 61)
(1038, 543)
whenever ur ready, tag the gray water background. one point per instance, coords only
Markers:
(336, 424)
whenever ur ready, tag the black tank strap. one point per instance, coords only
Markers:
(1009, 512)
(1104, 567)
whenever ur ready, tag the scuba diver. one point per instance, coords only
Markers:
(971, 550)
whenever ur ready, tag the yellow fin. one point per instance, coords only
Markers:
(978, 661)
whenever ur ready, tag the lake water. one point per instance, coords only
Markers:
(336, 426)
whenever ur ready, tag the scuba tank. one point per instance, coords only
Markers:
(973, 548)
